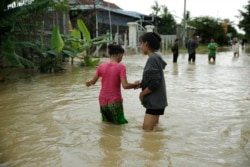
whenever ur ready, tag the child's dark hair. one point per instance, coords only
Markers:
(153, 39)
(115, 49)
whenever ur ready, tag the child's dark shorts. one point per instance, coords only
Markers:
(155, 111)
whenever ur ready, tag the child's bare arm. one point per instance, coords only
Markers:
(127, 85)
(92, 81)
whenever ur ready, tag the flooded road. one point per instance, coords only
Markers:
(54, 120)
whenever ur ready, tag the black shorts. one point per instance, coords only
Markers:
(211, 56)
(155, 111)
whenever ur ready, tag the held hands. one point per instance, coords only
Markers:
(144, 93)
(137, 84)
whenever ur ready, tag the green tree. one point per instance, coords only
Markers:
(245, 21)
(207, 27)
(163, 20)
(167, 24)
(156, 9)
(229, 28)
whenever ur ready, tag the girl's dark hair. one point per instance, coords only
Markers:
(115, 49)
(153, 39)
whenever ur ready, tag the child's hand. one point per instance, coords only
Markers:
(141, 97)
(88, 83)
(138, 84)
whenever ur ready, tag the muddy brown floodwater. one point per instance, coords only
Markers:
(54, 120)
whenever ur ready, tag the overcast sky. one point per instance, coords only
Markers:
(222, 9)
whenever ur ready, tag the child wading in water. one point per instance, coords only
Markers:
(175, 50)
(236, 48)
(113, 74)
(153, 95)
(212, 47)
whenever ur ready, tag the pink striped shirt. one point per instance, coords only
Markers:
(111, 74)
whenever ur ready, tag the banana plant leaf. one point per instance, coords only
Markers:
(77, 39)
(25, 44)
(70, 53)
(8, 52)
(84, 30)
(57, 42)
(53, 52)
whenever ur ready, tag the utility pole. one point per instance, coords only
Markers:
(96, 19)
(184, 25)
(96, 24)
(110, 23)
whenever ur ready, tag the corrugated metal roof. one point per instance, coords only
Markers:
(100, 7)
(91, 2)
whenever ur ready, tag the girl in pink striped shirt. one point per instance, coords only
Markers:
(113, 74)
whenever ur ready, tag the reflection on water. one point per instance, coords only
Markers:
(110, 143)
(54, 120)
(175, 69)
(235, 58)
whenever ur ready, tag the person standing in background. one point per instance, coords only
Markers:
(212, 47)
(191, 46)
(236, 48)
(175, 50)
